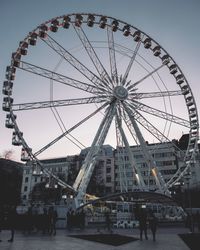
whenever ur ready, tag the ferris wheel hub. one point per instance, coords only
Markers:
(120, 93)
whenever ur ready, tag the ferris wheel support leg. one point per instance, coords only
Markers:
(149, 159)
(88, 166)
(79, 200)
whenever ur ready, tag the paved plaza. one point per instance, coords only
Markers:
(167, 239)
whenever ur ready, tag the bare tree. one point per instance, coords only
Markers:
(7, 154)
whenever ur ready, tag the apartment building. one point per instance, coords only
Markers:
(164, 158)
(113, 171)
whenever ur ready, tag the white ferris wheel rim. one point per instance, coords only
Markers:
(113, 89)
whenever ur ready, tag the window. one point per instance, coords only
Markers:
(164, 163)
(129, 174)
(108, 179)
(151, 182)
(144, 173)
(138, 156)
(126, 158)
(26, 179)
(101, 163)
(164, 154)
(25, 188)
(108, 170)
(168, 171)
(108, 189)
(108, 161)
(130, 183)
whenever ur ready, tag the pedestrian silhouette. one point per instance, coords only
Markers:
(1, 219)
(52, 215)
(152, 223)
(12, 221)
(69, 222)
(44, 221)
(82, 219)
(198, 220)
(143, 223)
(108, 221)
(29, 220)
(54, 220)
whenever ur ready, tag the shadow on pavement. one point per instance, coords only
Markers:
(192, 240)
(109, 239)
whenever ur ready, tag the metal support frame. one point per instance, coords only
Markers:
(85, 173)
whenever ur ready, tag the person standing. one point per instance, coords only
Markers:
(108, 221)
(69, 224)
(198, 221)
(152, 223)
(12, 221)
(1, 219)
(143, 223)
(82, 219)
(52, 216)
(54, 220)
(44, 221)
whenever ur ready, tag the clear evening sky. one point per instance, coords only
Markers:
(174, 24)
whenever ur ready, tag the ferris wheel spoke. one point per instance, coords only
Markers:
(112, 57)
(136, 95)
(181, 172)
(58, 77)
(131, 63)
(120, 161)
(148, 75)
(148, 126)
(132, 131)
(93, 56)
(56, 103)
(67, 56)
(161, 114)
(45, 170)
(160, 183)
(70, 130)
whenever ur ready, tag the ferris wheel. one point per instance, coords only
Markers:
(82, 80)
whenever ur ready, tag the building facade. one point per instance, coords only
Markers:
(33, 176)
(164, 158)
(102, 182)
(113, 171)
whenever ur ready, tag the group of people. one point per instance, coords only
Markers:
(43, 219)
(75, 219)
(34, 220)
(8, 217)
(147, 217)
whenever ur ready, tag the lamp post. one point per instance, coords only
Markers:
(187, 178)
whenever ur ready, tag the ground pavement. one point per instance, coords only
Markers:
(167, 239)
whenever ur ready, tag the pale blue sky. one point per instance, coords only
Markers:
(174, 24)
